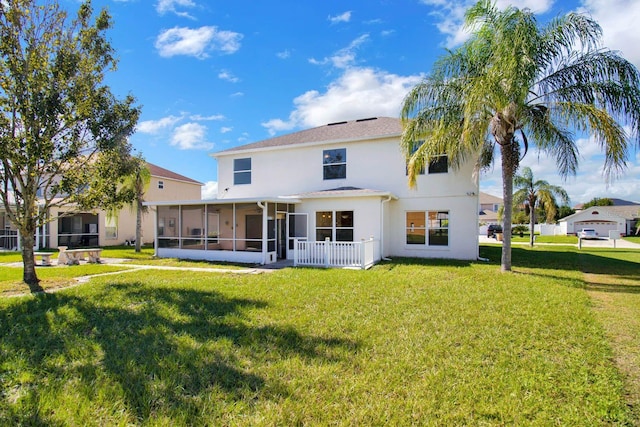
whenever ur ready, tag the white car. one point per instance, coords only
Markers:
(588, 233)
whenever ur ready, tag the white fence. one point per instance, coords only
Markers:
(335, 254)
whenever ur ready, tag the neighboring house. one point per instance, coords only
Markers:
(95, 228)
(603, 219)
(345, 182)
(488, 211)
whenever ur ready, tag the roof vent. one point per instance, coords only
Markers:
(367, 119)
(336, 123)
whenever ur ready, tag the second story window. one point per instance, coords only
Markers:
(160, 185)
(414, 148)
(334, 164)
(242, 171)
(439, 164)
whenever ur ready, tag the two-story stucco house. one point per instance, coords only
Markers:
(343, 183)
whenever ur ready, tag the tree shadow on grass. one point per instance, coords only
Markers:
(608, 270)
(165, 351)
(426, 262)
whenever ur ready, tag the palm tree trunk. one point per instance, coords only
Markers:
(507, 196)
(532, 222)
(532, 214)
(138, 226)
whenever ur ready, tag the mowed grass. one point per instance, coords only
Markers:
(408, 342)
(570, 240)
(613, 281)
(50, 277)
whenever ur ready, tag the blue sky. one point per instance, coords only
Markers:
(213, 74)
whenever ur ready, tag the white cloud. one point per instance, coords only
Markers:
(358, 93)
(343, 17)
(284, 54)
(155, 126)
(228, 76)
(587, 184)
(166, 6)
(451, 15)
(344, 57)
(225, 129)
(619, 21)
(237, 94)
(191, 136)
(200, 118)
(209, 190)
(197, 42)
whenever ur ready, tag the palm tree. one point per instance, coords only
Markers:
(514, 81)
(133, 189)
(537, 194)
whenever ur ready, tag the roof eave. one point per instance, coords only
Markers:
(232, 152)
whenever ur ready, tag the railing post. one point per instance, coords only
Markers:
(295, 252)
(362, 255)
(327, 248)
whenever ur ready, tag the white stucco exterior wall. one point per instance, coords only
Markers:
(376, 164)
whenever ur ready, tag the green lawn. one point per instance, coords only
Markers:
(407, 342)
(634, 239)
(573, 240)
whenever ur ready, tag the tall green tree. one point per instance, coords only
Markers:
(515, 81)
(536, 195)
(133, 189)
(597, 201)
(63, 134)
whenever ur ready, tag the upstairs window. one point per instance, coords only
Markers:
(242, 171)
(334, 164)
(439, 164)
(160, 185)
(414, 148)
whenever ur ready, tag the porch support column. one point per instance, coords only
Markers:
(265, 231)
(155, 231)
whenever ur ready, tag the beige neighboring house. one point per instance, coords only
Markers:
(488, 211)
(91, 229)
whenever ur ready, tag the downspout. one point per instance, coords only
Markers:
(265, 232)
(382, 202)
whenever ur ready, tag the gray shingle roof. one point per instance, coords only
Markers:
(341, 131)
(627, 212)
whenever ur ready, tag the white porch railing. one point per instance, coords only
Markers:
(335, 254)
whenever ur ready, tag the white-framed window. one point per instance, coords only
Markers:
(439, 164)
(414, 148)
(242, 171)
(334, 164)
(335, 225)
(427, 228)
(160, 185)
(111, 228)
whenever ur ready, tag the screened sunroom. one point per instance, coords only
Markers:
(257, 231)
